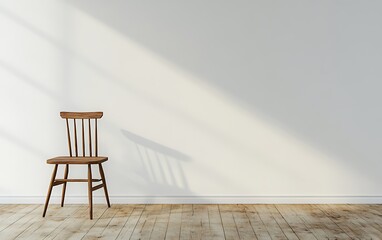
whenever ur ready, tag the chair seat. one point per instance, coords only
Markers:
(76, 160)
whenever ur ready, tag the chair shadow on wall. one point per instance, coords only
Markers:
(161, 166)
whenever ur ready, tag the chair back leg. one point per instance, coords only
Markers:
(50, 189)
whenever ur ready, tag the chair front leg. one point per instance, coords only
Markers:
(90, 191)
(64, 185)
(50, 189)
(104, 184)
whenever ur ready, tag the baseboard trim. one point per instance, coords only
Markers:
(199, 199)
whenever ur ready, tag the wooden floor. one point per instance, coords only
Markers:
(192, 222)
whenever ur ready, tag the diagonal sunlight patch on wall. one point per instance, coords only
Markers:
(224, 131)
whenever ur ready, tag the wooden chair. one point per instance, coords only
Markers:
(86, 159)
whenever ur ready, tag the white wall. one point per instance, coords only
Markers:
(204, 101)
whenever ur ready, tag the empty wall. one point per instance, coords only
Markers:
(204, 101)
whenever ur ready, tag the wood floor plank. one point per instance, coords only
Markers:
(242, 222)
(53, 224)
(96, 231)
(270, 223)
(4, 206)
(257, 224)
(199, 221)
(174, 223)
(376, 208)
(63, 227)
(16, 228)
(8, 210)
(146, 223)
(152, 212)
(131, 223)
(372, 229)
(14, 214)
(216, 225)
(295, 222)
(41, 227)
(229, 225)
(161, 223)
(315, 216)
(116, 224)
(342, 219)
(78, 224)
(369, 216)
(315, 226)
(79, 228)
(205, 220)
(287, 230)
(185, 227)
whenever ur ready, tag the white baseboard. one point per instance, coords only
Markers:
(199, 199)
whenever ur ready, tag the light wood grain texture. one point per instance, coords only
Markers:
(117, 223)
(81, 115)
(229, 225)
(295, 222)
(22, 223)
(205, 221)
(101, 224)
(242, 223)
(321, 226)
(285, 227)
(145, 225)
(256, 223)
(355, 225)
(161, 222)
(273, 228)
(13, 213)
(76, 160)
(62, 228)
(131, 223)
(185, 225)
(174, 222)
(40, 229)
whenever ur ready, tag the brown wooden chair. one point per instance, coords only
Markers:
(86, 159)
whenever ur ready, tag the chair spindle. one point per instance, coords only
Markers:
(83, 138)
(96, 138)
(69, 143)
(75, 137)
(90, 139)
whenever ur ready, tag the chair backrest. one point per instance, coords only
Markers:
(85, 119)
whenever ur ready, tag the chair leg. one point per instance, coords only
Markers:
(90, 191)
(50, 189)
(104, 184)
(64, 185)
